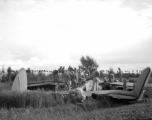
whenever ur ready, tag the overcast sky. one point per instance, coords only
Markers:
(46, 34)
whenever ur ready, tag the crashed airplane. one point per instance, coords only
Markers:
(20, 84)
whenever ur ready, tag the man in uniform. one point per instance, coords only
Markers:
(95, 76)
(120, 75)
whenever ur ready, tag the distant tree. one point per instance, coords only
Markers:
(133, 75)
(40, 72)
(28, 70)
(87, 64)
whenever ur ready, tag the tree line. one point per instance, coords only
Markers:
(87, 65)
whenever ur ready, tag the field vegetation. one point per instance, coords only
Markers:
(34, 99)
(74, 112)
(41, 105)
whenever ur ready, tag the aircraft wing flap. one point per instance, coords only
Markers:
(117, 96)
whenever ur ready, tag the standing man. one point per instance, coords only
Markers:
(60, 74)
(77, 75)
(55, 75)
(73, 79)
(66, 79)
(95, 76)
(120, 75)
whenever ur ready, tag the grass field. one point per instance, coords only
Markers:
(138, 111)
(41, 105)
(44, 106)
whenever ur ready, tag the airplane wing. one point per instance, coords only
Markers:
(124, 97)
(100, 92)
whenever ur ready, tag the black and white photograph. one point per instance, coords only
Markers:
(75, 59)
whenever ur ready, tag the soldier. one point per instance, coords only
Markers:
(95, 76)
(60, 74)
(76, 75)
(72, 78)
(55, 75)
(66, 79)
(120, 75)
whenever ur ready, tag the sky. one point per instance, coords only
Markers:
(47, 34)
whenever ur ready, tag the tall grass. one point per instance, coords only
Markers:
(74, 112)
(40, 98)
(40, 105)
(35, 99)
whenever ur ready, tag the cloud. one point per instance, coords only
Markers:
(137, 56)
(15, 65)
(37, 63)
(58, 33)
(6, 55)
(20, 4)
(137, 4)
